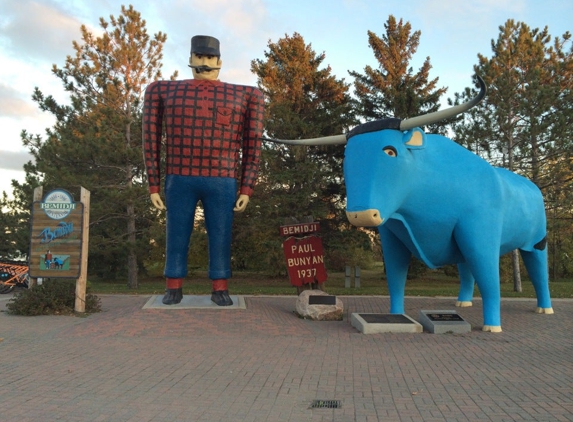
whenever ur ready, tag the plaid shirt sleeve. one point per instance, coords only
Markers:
(252, 133)
(152, 130)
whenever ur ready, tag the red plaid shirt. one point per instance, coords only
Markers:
(206, 125)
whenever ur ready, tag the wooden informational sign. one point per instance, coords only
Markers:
(56, 238)
(304, 254)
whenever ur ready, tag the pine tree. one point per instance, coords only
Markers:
(96, 140)
(303, 100)
(15, 217)
(394, 90)
(524, 122)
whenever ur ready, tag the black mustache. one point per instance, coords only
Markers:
(201, 69)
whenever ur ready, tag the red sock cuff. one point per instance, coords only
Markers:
(174, 283)
(219, 285)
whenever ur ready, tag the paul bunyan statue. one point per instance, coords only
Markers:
(212, 130)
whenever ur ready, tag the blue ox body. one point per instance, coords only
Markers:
(431, 198)
(435, 200)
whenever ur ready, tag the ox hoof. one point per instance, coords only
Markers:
(544, 310)
(492, 328)
(463, 303)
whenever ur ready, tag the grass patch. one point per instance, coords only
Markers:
(372, 283)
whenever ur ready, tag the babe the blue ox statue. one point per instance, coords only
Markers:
(431, 198)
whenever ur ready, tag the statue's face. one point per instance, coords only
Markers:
(209, 66)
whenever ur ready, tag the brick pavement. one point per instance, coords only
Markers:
(265, 364)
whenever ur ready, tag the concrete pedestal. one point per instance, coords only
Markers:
(441, 322)
(194, 302)
(385, 323)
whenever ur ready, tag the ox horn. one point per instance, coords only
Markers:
(325, 140)
(407, 124)
(428, 119)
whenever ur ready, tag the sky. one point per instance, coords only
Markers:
(36, 34)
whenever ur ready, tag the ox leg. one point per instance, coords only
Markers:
(482, 259)
(467, 283)
(536, 264)
(487, 278)
(396, 261)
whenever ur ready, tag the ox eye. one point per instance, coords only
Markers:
(390, 151)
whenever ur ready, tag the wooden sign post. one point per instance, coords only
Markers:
(81, 283)
(59, 239)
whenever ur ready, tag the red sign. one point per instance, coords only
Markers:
(305, 259)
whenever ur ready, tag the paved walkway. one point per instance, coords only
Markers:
(263, 363)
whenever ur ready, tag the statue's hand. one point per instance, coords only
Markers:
(157, 202)
(241, 203)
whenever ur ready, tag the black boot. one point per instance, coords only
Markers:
(173, 296)
(221, 298)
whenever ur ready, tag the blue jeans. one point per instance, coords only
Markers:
(218, 196)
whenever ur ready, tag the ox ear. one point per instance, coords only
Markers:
(415, 139)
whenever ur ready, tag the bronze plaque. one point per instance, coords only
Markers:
(321, 300)
(445, 317)
(385, 319)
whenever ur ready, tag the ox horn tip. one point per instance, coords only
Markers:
(427, 119)
(325, 140)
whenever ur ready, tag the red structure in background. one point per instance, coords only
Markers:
(13, 274)
(304, 255)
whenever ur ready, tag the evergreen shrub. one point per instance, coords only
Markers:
(52, 297)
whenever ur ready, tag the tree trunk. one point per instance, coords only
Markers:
(132, 280)
(554, 252)
(516, 271)
(515, 252)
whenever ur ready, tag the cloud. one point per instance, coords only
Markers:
(242, 26)
(38, 29)
(14, 160)
(241, 18)
(12, 104)
(448, 13)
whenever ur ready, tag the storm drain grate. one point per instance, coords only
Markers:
(325, 404)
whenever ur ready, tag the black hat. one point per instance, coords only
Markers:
(204, 44)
